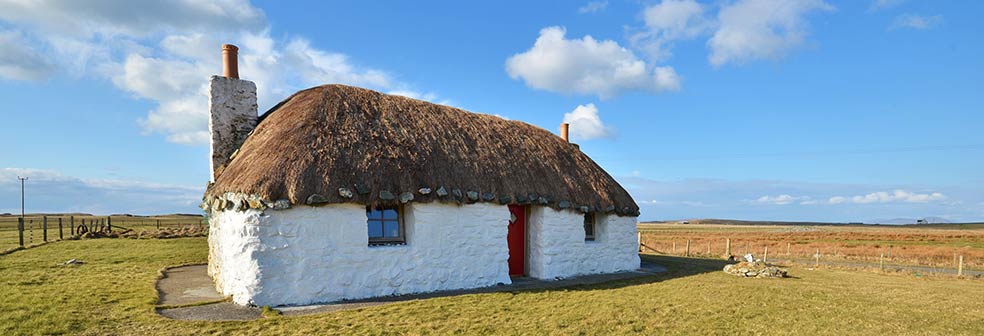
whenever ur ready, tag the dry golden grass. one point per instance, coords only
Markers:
(928, 246)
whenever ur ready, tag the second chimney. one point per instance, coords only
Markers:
(564, 131)
(232, 110)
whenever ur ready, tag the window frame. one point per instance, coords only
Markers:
(590, 216)
(401, 239)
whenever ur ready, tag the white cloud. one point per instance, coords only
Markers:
(898, 195)
(52, 191)
(586, 124)
(915, 21)
(18, 61)
(761, 29)
(586, 66)
(593, 6)
(782, 199)
(878, 5)
(157, 51)
(669, 21)
(132, 18)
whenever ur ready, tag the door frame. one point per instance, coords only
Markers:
(526, 241)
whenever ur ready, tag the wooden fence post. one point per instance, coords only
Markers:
(71, 225)
(787, 249)
(688, 247)
(639, 240)
(727, 247)
(159, 226)
(817, 264)
(61, 235)
(960, 267)
(20, 230)
(674, 248)
(44, 227)
(109, 224)
(765, 256)
(708, 249)
(881, 262)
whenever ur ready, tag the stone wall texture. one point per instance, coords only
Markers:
(557, 248)
(232, 115)
(307, 255)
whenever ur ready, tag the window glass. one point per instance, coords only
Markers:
(589, 226)
(384, 226)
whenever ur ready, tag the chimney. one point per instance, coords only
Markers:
(564, 130)
(232, 110)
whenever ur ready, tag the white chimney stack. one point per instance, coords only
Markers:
(232, 110)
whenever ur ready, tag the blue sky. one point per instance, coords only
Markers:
(752, 109)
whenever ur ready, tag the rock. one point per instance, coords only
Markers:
(457, 193)
(256, 203)
(505, 199)
(532, 196)
(542, 200)
(281, 204)
(406, 197)
(425, 191)
(74, 262)
(488, 197)
(345, 192)
(316, 199)
(584, 208)
(441, 192)
(564, 204)
(386, 195)
(362, 189)
(521, 199)
(472, 195)
(757, 269)
(610, 209)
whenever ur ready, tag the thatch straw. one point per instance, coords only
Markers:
(376, 145)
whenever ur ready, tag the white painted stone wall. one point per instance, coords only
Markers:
(232, 115)
(309, 255)
(557, 248)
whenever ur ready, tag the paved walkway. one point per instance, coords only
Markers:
(190, 285)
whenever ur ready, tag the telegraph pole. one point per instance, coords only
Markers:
(22, 179)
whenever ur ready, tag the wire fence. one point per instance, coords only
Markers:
(959, 260)
(36, 229)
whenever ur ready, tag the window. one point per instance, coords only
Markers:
(385, 225)
(589, 227)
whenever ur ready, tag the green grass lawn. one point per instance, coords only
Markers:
(113, 293)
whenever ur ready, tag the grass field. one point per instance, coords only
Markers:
(113, 293)
(926, 245)
(33, 233)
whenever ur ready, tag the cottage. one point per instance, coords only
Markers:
(340, 192)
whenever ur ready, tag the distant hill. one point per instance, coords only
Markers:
(894, 221)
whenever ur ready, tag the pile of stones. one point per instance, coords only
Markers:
(755, 269)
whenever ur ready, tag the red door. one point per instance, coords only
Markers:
(517, 239)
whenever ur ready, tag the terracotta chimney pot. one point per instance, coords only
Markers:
(230, 61)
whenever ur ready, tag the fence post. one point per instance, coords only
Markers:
(817, 264)
(765, 256)
(61, 235)
(960, 267)
(787, 249)
(688, 247)
(638, 240)
(109, 224)
(708, 249)
(727, 247)
(20, 230)
(674, 248)
(881, 262)
(71, 225)
(159, 228)
(44, 227)
(30, 232)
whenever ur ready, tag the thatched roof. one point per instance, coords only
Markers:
(338, 144)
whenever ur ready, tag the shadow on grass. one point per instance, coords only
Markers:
(675, 267)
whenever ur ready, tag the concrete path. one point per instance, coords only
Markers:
(189, 285)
